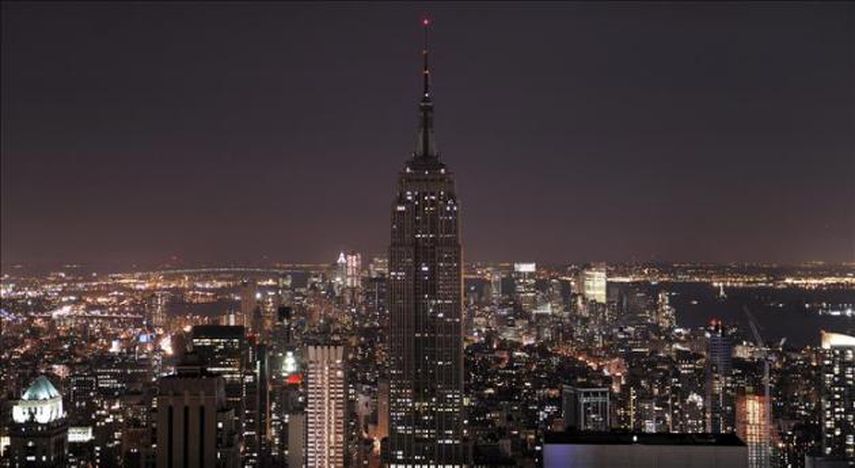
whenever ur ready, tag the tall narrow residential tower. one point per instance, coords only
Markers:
(425, 289)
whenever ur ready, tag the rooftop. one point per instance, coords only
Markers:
(641, 438)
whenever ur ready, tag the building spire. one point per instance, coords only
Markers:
(426, 68)
(425, 144)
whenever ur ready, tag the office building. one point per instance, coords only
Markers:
(256, 395)
(524, 285)
(195, 426)
(222, 350)
(586, 409)
(425, 291)
(719, 384)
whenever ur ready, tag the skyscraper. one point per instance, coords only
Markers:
(353, 270)
(223, 350)
(39, 430)
(195, 428)
(666, 317)
(719, 391)
(248, 302)
(838, 395)
(156, 308)
(326, 403)
(425, 290)
(524, 285)
(593, 283)
(752, 426)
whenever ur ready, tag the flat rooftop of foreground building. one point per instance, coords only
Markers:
(218, 331)
(642, 438)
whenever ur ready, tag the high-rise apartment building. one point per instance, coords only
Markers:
(838, 396)
(326, 403)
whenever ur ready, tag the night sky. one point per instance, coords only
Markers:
(237, 132)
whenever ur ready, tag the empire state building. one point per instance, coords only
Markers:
(425, 289)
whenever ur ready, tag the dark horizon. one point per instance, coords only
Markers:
(221, 133)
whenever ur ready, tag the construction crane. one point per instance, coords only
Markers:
(764, 355)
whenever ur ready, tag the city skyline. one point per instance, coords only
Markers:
(168, 148)
(579, 133)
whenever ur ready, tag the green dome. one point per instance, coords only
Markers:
(40, 389)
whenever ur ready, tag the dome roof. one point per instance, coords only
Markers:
(40, 389)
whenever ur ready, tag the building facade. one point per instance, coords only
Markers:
(752, 426)
(838, 396)
(223, 350)
(326, 395)
(593, 283)
(719, 381)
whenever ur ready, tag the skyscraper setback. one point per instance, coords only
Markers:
(425, 289)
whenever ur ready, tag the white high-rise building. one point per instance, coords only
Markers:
(248, 302)
(524, 284)
(353, 270)
(325, 411)
(593, 283)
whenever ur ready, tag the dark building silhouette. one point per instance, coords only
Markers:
(720, 397)
(586, 409)
(222, 350)
(195, 426)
